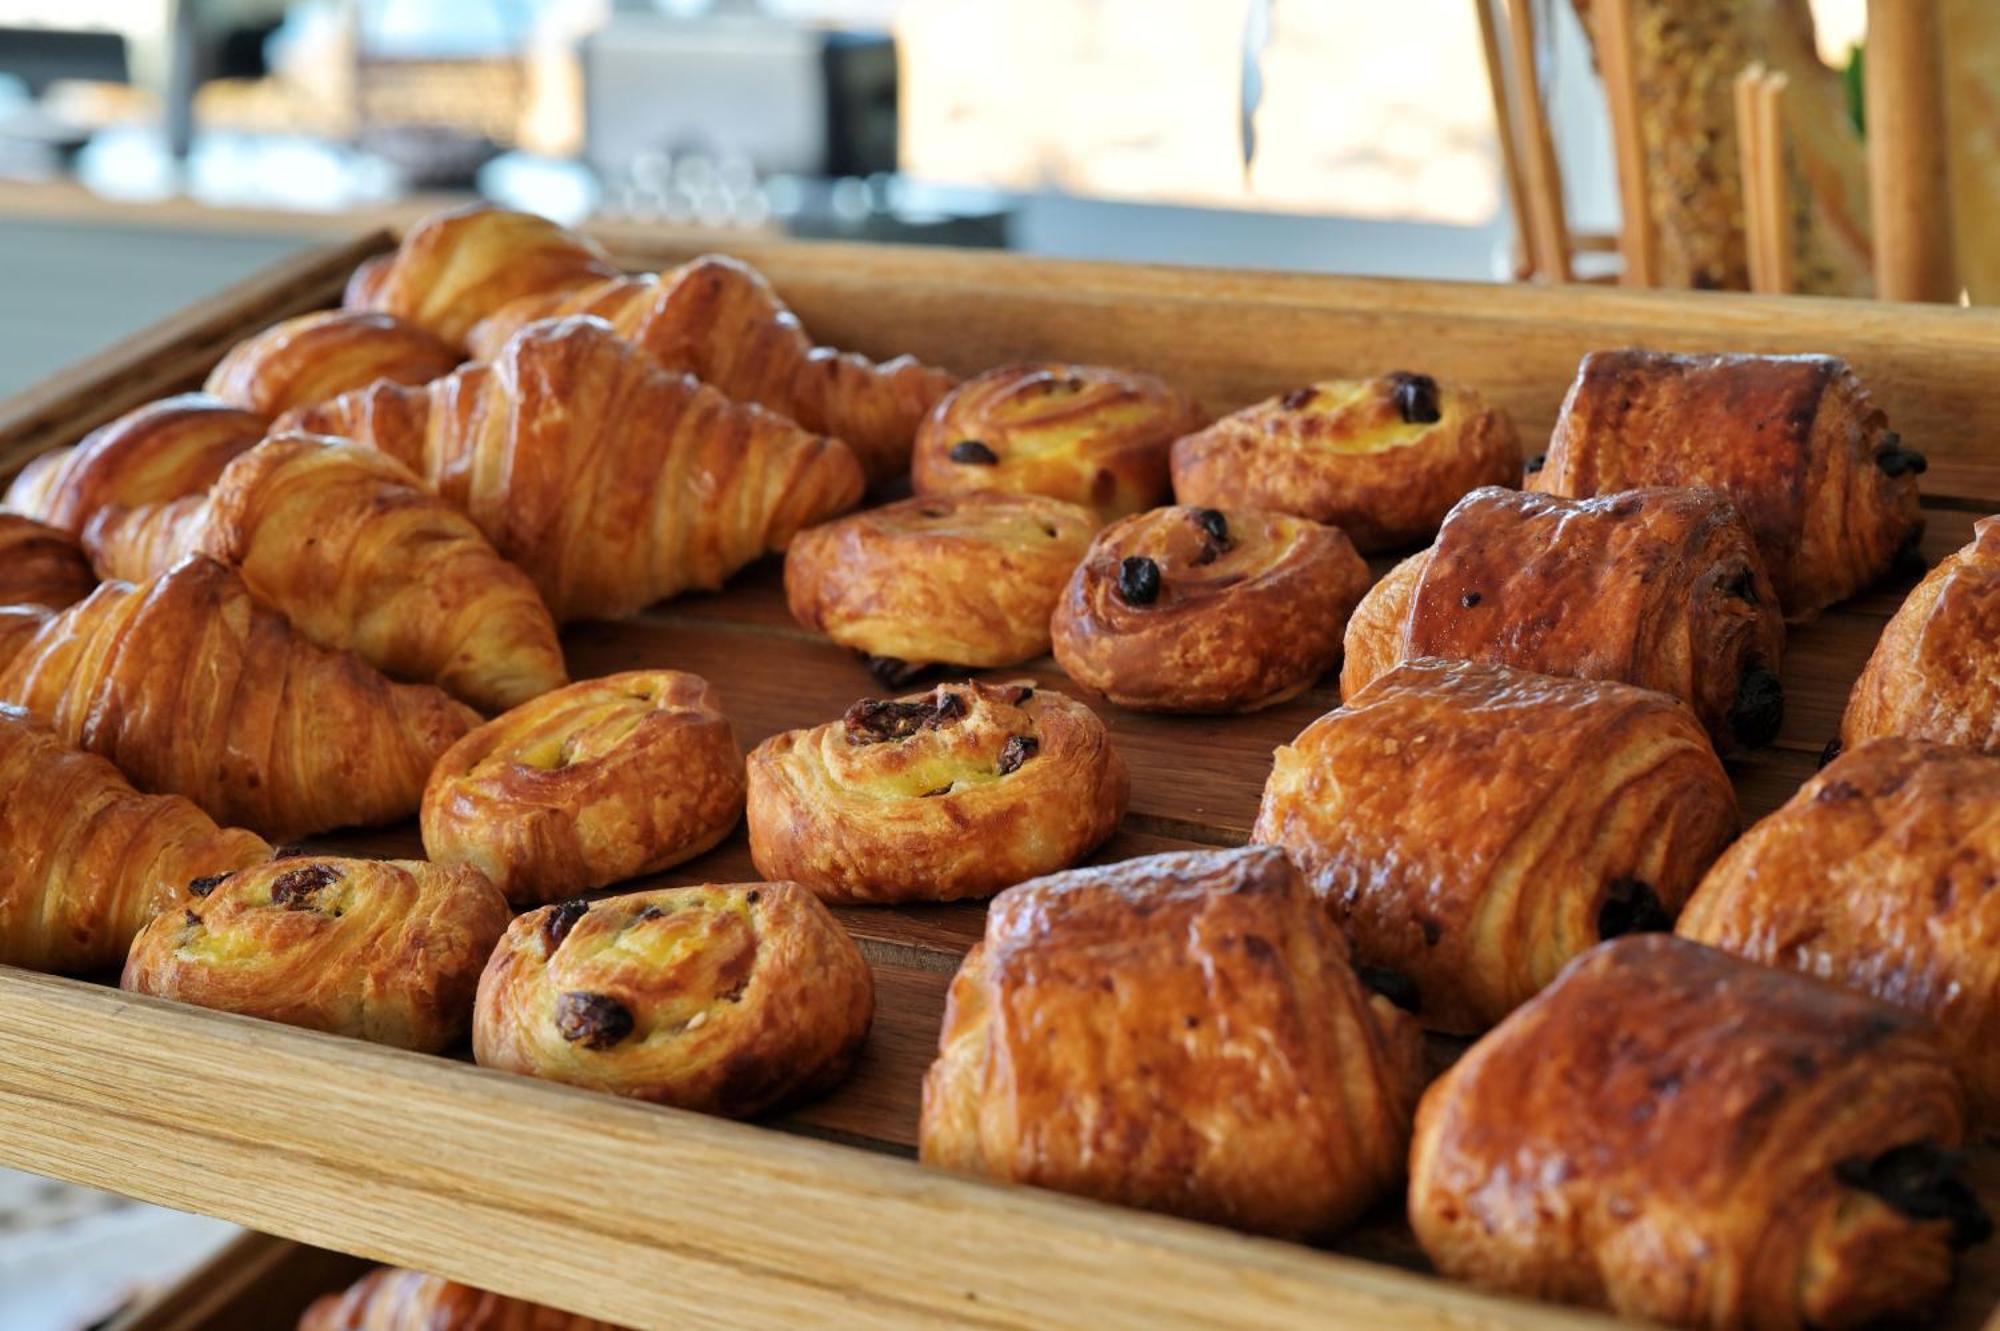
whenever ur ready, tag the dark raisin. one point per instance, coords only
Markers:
(1393, 985)
(945, 708)
(974, 453)
(893, 672)
(931, 794)
(1830, 752)
(1743, 586)
(202, 886)
(1470, 599)
(1535, 463)
(1017, 750)
(1921, 1179)
(1211, 521)
(649, 913)
(1632, 907)
(190, 919)
(289, 852)
(1416, 397)
(878, 720)
(754, 896)
(1895, 460)
(294, 888)
(559, 921)
(1759, 709)
(1022, 692)
(1138, 580)
(595, 1021)
(1297, 398)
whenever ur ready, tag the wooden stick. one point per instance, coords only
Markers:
(1543, 178)
(1748, 144)
(1503, 128)
(1617, 59)
(1780, 236)
(1908, 187)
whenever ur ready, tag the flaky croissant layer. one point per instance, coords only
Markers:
(387, 1299)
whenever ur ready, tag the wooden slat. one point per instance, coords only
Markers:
(256, 1283)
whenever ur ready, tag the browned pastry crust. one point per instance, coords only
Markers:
(1879, 874)
(1688, 1138)
(390, 1299)
(190, 687)
(612, 482)
(1092, 436)
(1827, 488)
(1383, 459)
(357, 553)
(163, 450)
(1659, 588)
(1201, 610)
(1598, 807)
(85, 860)
(41, 565)
(954, 793)
(727, 999)
(18, 626)
(1935, 671)
(606, 779)
(313, 357)
(1182, 1033)
(967, 579)
(382, 950)
(718, 319)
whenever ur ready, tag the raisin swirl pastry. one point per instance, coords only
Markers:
(1091, 436)
(383, 950)
(726, 999)
(606, 779)
(954, 793)
(1197, 610)
(1383, 459)
(1599, 806)
(41, 565)
(1828, 489)
(392, 1299)
(1181, 1033)
(1659, 588)
(967, 579)
(1685, 1137)
(1879, 875)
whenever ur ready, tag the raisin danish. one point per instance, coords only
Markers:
(1198, 610)
(319, 356)
(965, 579)
(1684, 1137)
(1598, 807)
(392, 1299)
(1879, 875)
(1660, 588)
(954, 793)
(1181, 1033)
(1828, 489)
(383, 950)
(607, 779)
(41, 565)
(727, 999)
(1094, 437)
(1383, 459)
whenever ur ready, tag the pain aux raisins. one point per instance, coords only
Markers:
(595, 1021)
(974, 453)
(1017, 750)
(1138, 580)
(1416, 397)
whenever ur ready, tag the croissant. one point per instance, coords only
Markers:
(85, 860)
(18, 626)
(392, 1299)
(314, 357)
(41, 565)
(613, 483)
(163, 450)
(1181, 1033)
(718, 319)
(1598, 807)
(190, 687)
(1828, 489)
(356, 553)
(1683, 1137)
(456, 267)
(1878, 874)
(1659, 588)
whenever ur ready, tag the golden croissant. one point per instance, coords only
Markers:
(614, 483)
(317, 356)
(357, 553)
(390, 1299)
(85, 860)
(192, 688)
(41, 565)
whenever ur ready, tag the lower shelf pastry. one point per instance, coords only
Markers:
(1383, 459)
(1091, 436)
(727, 999)
(1473, 827)
(607, 779)
(1879, 874)
(41, 565)
(1681, 1136)
(314, 357)
(1659, 588)
(85, 860)
(965, 579)
(1182, 1033)
(383, 950)
(390, 1299)
(937, 796)
(1201, 610)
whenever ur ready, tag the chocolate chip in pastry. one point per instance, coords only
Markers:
(606, 779)
(1660, 588)
(41, 565)
(954, 793)
(1829, 491)
(1473, 827)
(726, 999)
(1182, 1033)
(965, 579)
(1201, 610)
(391, 1299)
(1091, 436)
(1685, 1137)
(384, 950)
(1383, 459)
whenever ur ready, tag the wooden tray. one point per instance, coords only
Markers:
(657, 1218)
(256, 1283)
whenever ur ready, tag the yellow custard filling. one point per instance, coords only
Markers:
(1340, 418)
